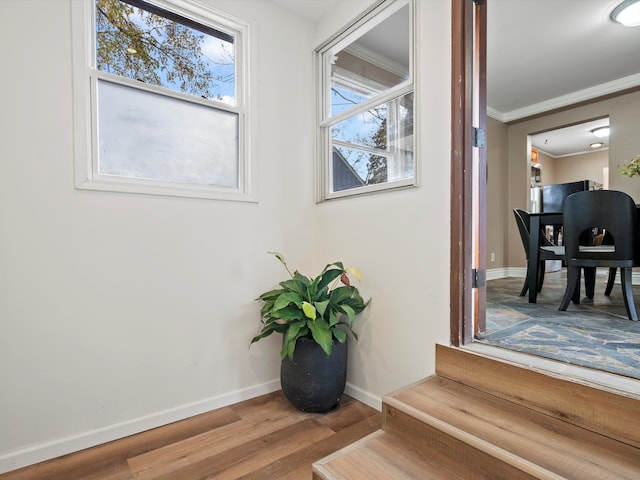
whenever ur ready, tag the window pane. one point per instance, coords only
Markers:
(353, 168)
(161, 49)
(372, 63)
(150, 136)
(375, 146)
(367, 128)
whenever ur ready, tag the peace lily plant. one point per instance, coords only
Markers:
(321, 308)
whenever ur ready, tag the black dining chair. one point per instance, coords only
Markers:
(548, 251)
(608, 210)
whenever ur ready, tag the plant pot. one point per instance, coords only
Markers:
(313, 382)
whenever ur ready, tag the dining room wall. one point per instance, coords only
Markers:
(584, 166)
(624, 142)
(497, 179)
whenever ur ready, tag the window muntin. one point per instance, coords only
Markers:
(376, 144)
(366, 124)
(160, 125)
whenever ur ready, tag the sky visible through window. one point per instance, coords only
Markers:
(150, 48)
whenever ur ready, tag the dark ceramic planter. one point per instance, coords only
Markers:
(313, 382)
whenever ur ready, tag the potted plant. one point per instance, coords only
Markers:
(315, 317)
(631, 168)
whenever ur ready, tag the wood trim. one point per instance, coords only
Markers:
(480, 120)
(461, 191)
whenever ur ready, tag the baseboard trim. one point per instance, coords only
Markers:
(365, 397)
(519, 272)
(63, 446)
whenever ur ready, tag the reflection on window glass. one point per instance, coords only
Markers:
(159, 48)
(366, 118)
(375, 146)
(148, 136)
(374, 62)
(366, 128)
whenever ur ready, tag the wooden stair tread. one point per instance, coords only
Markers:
(381, 455)
(481, 418)
(510, 429)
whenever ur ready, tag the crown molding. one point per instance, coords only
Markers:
(603, 89)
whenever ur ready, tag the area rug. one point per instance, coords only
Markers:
(612, 347)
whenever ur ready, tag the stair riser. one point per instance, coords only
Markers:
(447, 450)
(598, 410)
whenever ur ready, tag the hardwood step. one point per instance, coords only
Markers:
(474, 419)
(601, 409)
(380, 455)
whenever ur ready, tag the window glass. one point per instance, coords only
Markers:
(374, 61)
(158, 47)
(375, 144)
(148, 136)
(159, 103)
(366, 122)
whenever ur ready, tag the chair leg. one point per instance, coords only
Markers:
(541, 267)
(627, 293)
(576, 292)
(573, 284)
(590, 281)
(525, 287)
(610, 281)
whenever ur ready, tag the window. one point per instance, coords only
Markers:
(367, 104)
(160, 99)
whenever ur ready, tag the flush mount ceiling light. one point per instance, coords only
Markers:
(627, 13)
(601, 132)
(596, 145)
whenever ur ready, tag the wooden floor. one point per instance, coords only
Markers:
(262, 438)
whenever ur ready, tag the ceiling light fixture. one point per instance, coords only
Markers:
(596, 145)
(627, 13)
(601, 132)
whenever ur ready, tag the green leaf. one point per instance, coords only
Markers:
(349, 311)
(270, 295)
(321, 334)
(285, 299)
(309, 310)
(288, 347)
(268, 330)
(333, 318)
(321, 307)
(340, 294)
(329, 276)
(294, 329)
(340, 335)
(290, 312)
(297, 284)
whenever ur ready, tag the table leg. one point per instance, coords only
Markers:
(534, 257)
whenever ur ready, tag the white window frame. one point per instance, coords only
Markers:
(324, 54)
(86, 77)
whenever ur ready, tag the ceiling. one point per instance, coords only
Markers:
(543, 55)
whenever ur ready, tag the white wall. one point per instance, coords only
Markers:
(400, 240)
(122, 312)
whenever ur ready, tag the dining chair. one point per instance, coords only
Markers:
(613, 212)
(548, 251)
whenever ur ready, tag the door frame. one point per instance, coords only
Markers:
(468, 262)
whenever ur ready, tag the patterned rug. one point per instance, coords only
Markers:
(594, 334)
(616, 350)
